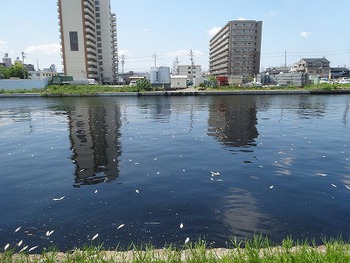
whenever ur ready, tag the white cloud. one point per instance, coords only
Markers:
(213, 31)
(47, 49)
(184, 53)
(305, 34)
(3, 46)
(178, 53)
(242, 18)
(44, 55)
(145, 30)
(272, 13)
(124, 52)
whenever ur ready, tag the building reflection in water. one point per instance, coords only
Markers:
(233, 120)
(94, 136)
(244, 216)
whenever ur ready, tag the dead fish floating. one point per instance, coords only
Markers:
(31, 249)
(59, 199)
(121, 226)
(49, 233)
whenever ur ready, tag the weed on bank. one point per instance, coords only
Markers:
(259, 249)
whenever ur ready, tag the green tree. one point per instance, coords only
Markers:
(212, 82)
(18, 71)
(143, 84)
(4, 72)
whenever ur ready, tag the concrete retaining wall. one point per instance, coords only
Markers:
(23, 84)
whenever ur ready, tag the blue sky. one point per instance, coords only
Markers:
(171, 29)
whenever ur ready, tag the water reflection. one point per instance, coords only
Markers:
(311, 107)
(9, 116)
(244, 216)
(159, 108)
(233, 120)
(94, 136)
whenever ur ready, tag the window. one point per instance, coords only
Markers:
(74, 44)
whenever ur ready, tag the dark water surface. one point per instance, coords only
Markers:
(137, 169)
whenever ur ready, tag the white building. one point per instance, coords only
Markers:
(194, 73)
(160, 76)
(88, 39)
(179, 81)
(41, 74)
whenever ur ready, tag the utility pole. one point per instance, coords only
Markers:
(285, 60)
(193, 79)
(155, 59)
(23, 56)
(123, 62)
(176, 66)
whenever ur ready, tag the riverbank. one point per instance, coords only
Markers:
(257, 250)
(184, 92)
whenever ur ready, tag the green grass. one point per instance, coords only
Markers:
(85, 90)
(2, 91)
(259, 249)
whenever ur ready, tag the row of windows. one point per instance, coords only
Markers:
(243, 37)
(244, 50)
(244, 24)
(244, 62)
(245, 43)
(43, 74)
(245, 31)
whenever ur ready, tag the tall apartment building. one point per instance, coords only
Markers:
(236, 49)
(88, 40)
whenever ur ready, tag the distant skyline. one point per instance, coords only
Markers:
(152, 31)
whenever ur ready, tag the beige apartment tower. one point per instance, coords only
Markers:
(88, 34)
(236, 49)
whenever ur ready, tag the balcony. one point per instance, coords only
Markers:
(88, 30)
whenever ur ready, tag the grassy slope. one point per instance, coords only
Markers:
(257, 250)
(94, 89)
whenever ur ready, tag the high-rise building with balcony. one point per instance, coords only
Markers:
(88, 34)
(236, 49)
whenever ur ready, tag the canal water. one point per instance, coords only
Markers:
(160, 170)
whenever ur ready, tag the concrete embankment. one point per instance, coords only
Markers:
(191, 92)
